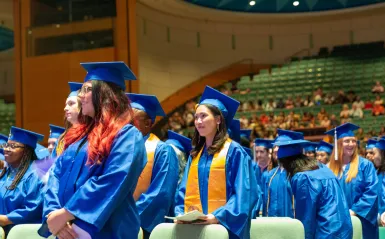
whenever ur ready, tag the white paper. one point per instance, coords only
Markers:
(188, 217)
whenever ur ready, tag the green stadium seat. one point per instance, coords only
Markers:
(28, 231)
(276, 227)
(357, 228)
(185, 231)
(2, 233)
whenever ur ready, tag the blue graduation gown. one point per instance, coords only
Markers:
(155, 203)
(381, 193)
(320, 205)
(258, 172)
(99, 196)
(24, 204)
(256, 192)
(361, 196)
(281, 196)
(235, 215)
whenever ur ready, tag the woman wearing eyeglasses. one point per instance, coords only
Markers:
(90, 189)
(20, 187)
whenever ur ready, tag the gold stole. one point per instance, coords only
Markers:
(145, 177)
(216, 185)
(60, 147)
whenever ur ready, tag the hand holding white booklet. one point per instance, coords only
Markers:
(188, 217)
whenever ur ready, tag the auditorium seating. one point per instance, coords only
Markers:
(276, 227)
(357, 228)
(7, 117)
(180, 231)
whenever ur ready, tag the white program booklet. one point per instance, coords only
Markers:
(188, 217)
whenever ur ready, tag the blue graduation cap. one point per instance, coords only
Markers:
(55, 131)
(285, 135)
(339, 132)
(234, 130)
(227, 105)
(3, 140)
(74, 88)
(245, 133)
(371, 143)
(115, 72)
(29, 138)
(181, 142)
(345, 130)
(325, 147)
(267, 143)
(311, 146)
(380, 144)
(147, 103)
(290, 148)
(248, 151)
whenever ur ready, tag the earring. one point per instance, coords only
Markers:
(217, 127)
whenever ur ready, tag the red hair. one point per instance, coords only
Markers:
(112, 112)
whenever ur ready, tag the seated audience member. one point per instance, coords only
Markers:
(356, 112)
(378, 88)
(289, 104)
(345, 112)
(359, 103)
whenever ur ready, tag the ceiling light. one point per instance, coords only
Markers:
(295, 3)
(252, 3)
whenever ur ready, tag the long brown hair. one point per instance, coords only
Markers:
(336, 165)
(219, 139)
(26, 158)
(381, 169)
(112, 112)
(298, 163)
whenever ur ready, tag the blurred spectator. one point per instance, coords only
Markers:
(356, 112)
(378, 88)
(264, 119)
(280, 104)
(333, 121)
(289, 104)
(244, 122)
(308, 102)
(359, 103)
(382, 131)
(345, 112)
(245, 106)
(351, 96)
(341, 97)
(368, 105)
(329, 99)
(321, 115)
(318, 94)
(325, 122)
(378, 110)
(298, 101)
(360, 134)
(259, 105)
(270, 106)
(225, 91)
(378, 100)
(234, 88)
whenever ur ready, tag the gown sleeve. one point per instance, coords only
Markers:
(95, 201)
(235, 215)
(181, 192)
(31, 189)
(381, 194)
(155, 203)
(367, 206)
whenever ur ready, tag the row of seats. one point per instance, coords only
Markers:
(261, 228)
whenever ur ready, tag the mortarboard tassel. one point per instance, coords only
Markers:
(335, 145)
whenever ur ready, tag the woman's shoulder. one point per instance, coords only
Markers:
(129, 130)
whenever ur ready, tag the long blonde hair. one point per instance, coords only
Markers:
(336, 165)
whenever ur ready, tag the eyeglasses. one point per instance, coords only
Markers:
(85, 89)
(12, 146)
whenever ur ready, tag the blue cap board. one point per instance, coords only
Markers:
(381, 144)
(290, 148)
(29, 138)
(234, 130)
(345, 130)
(248, 151)
(245, 133)
(147, 103)
(371, 143)
(267, 143)
(114, 72)
(3, 140)
(311, 146)
(55, 131)
(181, 142)
(325, 147)
(227, 105)
(285, 135)
(74, 88)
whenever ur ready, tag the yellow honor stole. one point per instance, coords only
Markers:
(60, 147)
(145, 177)
(216, 185)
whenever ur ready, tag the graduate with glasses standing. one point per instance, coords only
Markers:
(90, 189)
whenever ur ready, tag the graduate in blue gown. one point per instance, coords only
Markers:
(262, 157)
(310, 149)
(324, 151)
(157, 185)
(319, 200)
(217, 175)
(278, 197)
(54, 134)
(369, 149)
(20, 187)
(90, 188)
(357, 177)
